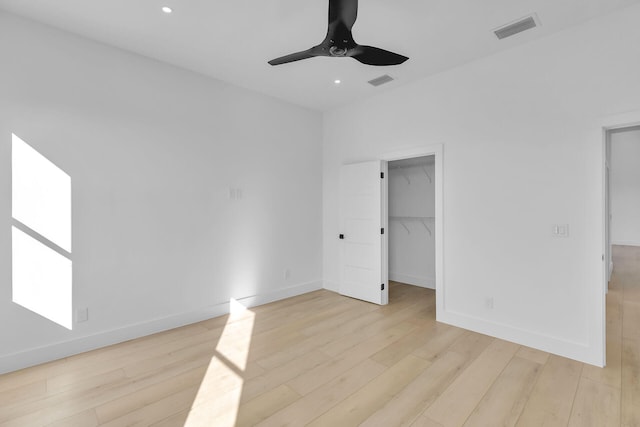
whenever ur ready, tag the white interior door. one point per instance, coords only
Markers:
(363, 218)
(607, 208)
(608, 254)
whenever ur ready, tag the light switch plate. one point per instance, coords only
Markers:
(561, 230)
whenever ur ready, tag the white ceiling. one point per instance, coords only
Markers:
(232, 40)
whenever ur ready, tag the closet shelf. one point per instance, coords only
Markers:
(403, 168)
(421, 219)
(411, 217)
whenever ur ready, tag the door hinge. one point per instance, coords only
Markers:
(382, 287)
(381, 175)
(341, 236)
(382, 231)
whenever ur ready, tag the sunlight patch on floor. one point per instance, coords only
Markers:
(218, 398)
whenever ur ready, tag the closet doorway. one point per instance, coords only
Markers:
(365, 224)
(411, 208)
(414, 248)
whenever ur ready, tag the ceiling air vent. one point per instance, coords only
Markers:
(381, 80)
(514, 28)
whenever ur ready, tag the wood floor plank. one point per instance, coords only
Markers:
(155, 411)
(614, 312)
(393, 353)
(353, 311)
(209, 410)
(26, 376)
(129, 354)
(410, 402)
(363, 403)
(62, 383)
(458, 401)
(352, 340)
(265, 405)
(532, 354)
(282, 374)
(504, 401)
(130, 402)
(630, 390)
(325, 397)
(612, 373)
(321, 339)
(632, 293)
(438, 344)
(87, 418)
(314, 378)
(23, 393)
(471, 344)
(149, 363)
(132, 349)
(71, 402)
(32, 419)
(552, 396)
(176, 420)
(424, 421)
(596, 404)
(631, 320)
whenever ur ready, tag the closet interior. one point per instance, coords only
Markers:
(411, 195)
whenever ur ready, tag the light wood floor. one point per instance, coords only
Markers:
(325, 360)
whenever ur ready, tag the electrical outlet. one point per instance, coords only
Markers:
(287, 273)
(82, 315)
(488, 303)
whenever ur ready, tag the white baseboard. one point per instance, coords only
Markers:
(38, 355)
(572, 350)
(280, 294)
(424, 282)
(331, 286)
(625, 243)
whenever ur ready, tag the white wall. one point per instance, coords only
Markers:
(412, 250)
(152, 151)
(522, 143)
(625, 187)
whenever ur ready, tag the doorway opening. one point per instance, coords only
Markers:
(415, 200)
(621, 176)
(622, 186)
(365, 225)
(411, 210)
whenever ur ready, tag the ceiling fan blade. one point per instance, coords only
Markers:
(344, 11)
(305, 54)
(375, 56)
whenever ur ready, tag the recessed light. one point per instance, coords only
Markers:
(337, 81)
(167, 9)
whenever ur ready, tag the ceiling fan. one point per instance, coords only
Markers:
(339, 40)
